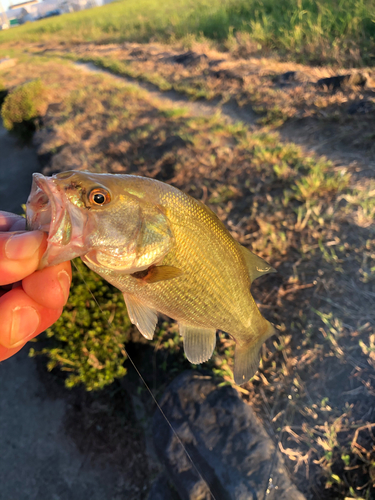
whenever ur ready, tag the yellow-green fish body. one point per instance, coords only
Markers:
(179, 259)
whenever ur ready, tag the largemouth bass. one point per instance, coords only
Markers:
(166, 252)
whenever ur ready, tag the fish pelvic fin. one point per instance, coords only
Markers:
(255, 265)
(247, 357)
(142, 316)
(199, 343)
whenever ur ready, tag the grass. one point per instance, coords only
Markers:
(120, 68)
(361, 202)
(23, 104)
(251, 84)
(299, 212)
(315, 31)
(82, 344)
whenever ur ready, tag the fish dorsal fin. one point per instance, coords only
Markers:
(199, 343)
(143, 317)
(158, 273)
(255, 265)
(246, 357)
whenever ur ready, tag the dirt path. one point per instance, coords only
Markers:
(37, 460)
(228, 111)
(312, 139)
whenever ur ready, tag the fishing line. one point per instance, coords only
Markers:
(148, 388)
(270, 479)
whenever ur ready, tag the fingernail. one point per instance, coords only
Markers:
(64, 280)
(23, 245)
(25, 321)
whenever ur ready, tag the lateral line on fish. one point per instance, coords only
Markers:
(148, 388)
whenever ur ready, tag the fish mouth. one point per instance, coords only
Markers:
(46, 211)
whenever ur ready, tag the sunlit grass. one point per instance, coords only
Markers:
(318, 31)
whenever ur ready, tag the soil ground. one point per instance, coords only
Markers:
(315, 389)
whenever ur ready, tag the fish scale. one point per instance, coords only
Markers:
(166, 252)
(219, 292)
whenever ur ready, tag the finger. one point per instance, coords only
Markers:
(50, 286)
(8, 220)
(19, 225)
(20, 254)
(7, 353)
(22, 318)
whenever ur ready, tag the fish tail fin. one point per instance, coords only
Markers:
(247, 357)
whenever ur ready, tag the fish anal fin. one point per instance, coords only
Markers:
(247, 357)
(256, 266)
(142, 316)
(162, 273)
(199, 343)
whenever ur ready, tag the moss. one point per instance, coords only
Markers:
(3, 92)
(25, 103)
(87, 340)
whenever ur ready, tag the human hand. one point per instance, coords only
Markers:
(29, 306)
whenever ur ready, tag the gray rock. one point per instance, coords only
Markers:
(225, 440)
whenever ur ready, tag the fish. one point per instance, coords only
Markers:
(164, 250)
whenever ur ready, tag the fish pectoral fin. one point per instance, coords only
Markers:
(247, 357)
(143, 317)
(162, 273)
(199, 343)
(255, 265)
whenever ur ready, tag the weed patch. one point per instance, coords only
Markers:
(23, 107)
(87, 340)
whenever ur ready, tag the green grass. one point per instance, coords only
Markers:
(120, 68)
(87, 340)
(319, 31)
(195, 90)
(24, 103)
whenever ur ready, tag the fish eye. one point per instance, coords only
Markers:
(99, 196)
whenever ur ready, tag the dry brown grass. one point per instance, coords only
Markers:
(260, 83)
